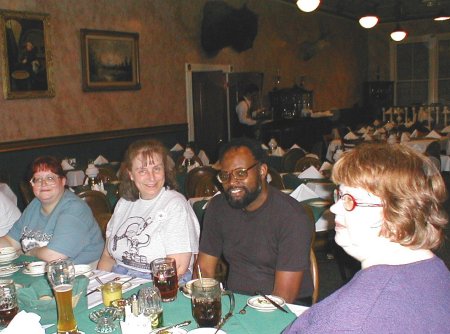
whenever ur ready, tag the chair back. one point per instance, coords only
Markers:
(27, 191)
(201, 182)
(304, 163)
(102, 221)
(97, 201)
(290, 158)
(275, 179)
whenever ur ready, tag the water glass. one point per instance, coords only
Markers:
(8, 302)
(149, 301)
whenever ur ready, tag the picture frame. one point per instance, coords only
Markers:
(27, 61)
(109, 60)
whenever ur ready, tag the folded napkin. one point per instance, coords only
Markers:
(24, 322)
(388, 112)
(278, 152)
(367, 137)
(264, 147)
(415, 134)
(135, 324)
(177, 147)
(203, 157)
(350, 136)
(188, 153)
(433, 134)
(446, 129)
(303, 193)
(100, 160)
(326, 166)
(65, 165)
(392, 139)
(91, 171)
(272, 143)
(294, 146)
(376, 122)
(310, 173)
(404, 137)
(362, 130)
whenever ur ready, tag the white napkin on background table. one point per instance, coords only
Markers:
(294, 146)
(326, 166)
(24, 322)
(203, 157)
(66, 166)
(310, 173)
(405, 137)
(446, 129)
(415, 134)
(433, 134)
(264, 147)
(100, 160)
(177, 147)
(278, 152)
(303, 193)
(350, 136)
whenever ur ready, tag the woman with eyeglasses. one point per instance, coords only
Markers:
(57, 224)
(389, 216)
(151, 220)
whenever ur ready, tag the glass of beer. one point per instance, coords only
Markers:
(165, 278)
(111, 291)
(206, 302)
(8, 302)
(61, 274)
(149, 301)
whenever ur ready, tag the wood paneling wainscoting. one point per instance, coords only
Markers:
(16, 157)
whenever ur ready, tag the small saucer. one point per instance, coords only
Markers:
(27, 272)
(261, 304)
(8, 272)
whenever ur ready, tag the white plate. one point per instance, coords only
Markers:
(262, 305)
(8, 259)
(7, 251)
(187, 290)
(171, 331)
(8, 272)
(83, 269)
(27, 272)
(319, 203)
(206, 330)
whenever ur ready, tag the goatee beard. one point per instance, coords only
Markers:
(246, 200)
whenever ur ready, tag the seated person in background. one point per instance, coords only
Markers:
(9, 213)
(57, 224)
(389, 216)
(150, 220)
(246, 111)
(263, 234)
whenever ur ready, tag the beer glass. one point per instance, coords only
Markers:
(206, 302)
(8, 302)
(149, 301)
(111, 291)
(165, 278)
(61, 274)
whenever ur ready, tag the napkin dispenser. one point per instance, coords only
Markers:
(38, 298)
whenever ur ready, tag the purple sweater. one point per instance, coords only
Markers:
(410, 298)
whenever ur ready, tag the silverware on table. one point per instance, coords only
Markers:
(164, 329)
(243, 311)
(223, 321)
(274, 303)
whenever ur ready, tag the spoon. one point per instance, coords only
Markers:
(243, 311)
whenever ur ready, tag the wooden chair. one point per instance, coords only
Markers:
(306, 162)
(27, 191)
(201, 182)
(106, 174)
(276, 179)
(97, 201)
(290, 158)
(102, 221)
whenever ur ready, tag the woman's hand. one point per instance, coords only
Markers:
(182, 260)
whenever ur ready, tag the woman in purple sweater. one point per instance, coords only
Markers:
(389, 216)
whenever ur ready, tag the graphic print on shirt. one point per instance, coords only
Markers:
(132, 232)
(31, 239)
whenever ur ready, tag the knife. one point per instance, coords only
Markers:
(181, 324)
(274, 303)
(223, 321)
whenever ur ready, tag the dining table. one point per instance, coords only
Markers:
(253, 321)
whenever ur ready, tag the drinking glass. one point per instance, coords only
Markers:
(206, 302)
(165, 278)
(111, 291)
(8, 302)
(149, 301)
(61, 274)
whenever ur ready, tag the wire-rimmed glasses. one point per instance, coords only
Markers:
(238, 174)
(49, 180)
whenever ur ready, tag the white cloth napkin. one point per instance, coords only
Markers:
(446, 129)
(24, 322)
(100, 160)
(303, 193)
(405, 137)
(91, 171)
(350, 136)
(311, 173)
(264, 147)
(203, 157)
(177, 147)
(188, 153)
(392, 139)
(296, 146)
(415, 134)
(433, 134)
(326, 166)
(362, 130)
(367, 137)
(75, 178)
(278, 152)
(322, 189)
(66, 166)
(135, 324)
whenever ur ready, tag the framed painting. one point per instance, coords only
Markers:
(109, 60)
(27, 61)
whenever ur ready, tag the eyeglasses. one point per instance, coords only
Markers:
(49, 180)
(349, 202)
(144, 171)
(238, 174)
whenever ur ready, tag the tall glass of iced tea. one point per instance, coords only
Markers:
(165, 278)
(61, 274)
(8, 302)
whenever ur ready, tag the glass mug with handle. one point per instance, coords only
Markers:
(165, 277)
(206, 302)
(8, 302)
(61, 274)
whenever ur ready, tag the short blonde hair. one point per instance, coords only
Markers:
(408, 183)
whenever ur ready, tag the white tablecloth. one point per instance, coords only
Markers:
(75, 178)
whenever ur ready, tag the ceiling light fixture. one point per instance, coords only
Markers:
(398, 34)
(308, 5)
(368, 21)
(442, 16)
